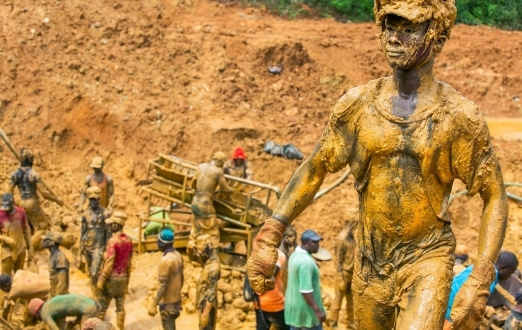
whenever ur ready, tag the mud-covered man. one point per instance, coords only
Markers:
(94, 236)
(29, 182)
(58, 264)
(206, 298)
(100, 180)
(345, 244)
(54, 311)
(207, 178)
(406, 138)
(238, 165)
(15, 236)
(116, 270)
(170, 276)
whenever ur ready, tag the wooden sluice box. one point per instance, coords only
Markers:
(170, 180)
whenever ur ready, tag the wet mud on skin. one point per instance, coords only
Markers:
(134, 79)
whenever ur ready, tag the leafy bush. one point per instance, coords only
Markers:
(505, 14)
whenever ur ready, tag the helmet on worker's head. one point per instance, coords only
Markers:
(441, 13)
(166, 237)
(238, 153)
(97, 162)
(93, 192)
(118, 217)
(34, 306)
(26, 156)
(7, 201)
(53, 236)
(219, 155)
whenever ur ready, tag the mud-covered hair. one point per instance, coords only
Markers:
(441, 13)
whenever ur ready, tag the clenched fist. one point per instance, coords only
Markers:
(261, 263)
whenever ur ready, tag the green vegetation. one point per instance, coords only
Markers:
(504, 14)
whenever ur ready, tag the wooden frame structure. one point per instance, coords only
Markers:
(244, 210)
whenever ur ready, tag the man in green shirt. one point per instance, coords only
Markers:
(303, 304)
(62, 306)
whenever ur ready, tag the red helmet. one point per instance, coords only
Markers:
(238, 153)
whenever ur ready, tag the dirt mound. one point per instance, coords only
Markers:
(129, 79)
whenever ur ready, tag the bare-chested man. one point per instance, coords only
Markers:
(207, 177)
(30, 184)
(103, 181)
(406, 138)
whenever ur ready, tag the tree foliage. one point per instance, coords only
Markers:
(504, 14)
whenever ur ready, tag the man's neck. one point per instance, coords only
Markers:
(414, 81)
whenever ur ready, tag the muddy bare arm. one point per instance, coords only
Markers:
(46, 193)
(471, 299)
(309, 298)
(110, 183)
(83, 196)
(301, 189)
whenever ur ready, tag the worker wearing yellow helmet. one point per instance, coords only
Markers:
(103, 181)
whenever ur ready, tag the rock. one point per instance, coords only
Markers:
(240, 303)
(193, 295)
(228, 297)
(220, 299)
(236, 273)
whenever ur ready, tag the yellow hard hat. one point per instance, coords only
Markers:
(97, 162)
(118, 217)
(93, 192)
(219, 155)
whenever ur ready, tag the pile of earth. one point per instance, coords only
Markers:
(130, 79)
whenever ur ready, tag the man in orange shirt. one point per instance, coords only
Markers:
(270, 306)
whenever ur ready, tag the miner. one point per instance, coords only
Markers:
(345, 244)
(115, 273)
(15, 236)
(170, 276)
(58, 264)
(238, 165)
(100, 180)
(30, 184)
(207, 286)
(94, 236)
(207, 177)
(406, 138)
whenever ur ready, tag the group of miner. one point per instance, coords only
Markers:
(102, 244)
(105, 251)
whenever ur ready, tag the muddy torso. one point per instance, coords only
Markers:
(404, 168)
(94, 231)
(13, 225)
(25, 179)
(207, 177)
(103, 184)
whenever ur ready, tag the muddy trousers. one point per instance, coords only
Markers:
(169, 313)
(410, 297)
(343, 289)
(94, 259)
(114, 288)
(38, 220)
(10, 266)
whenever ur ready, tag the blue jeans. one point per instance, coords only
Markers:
(317, 327)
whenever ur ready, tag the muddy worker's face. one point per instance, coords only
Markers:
(289, 240)
(47, 243)
(404, 42)
(94, 203)
(7, 206)
(311, 246)
(239, 162)
(115, 227)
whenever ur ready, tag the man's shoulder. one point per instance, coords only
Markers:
(357, 95)
(455, 103)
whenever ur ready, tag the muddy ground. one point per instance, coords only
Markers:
(130, 79)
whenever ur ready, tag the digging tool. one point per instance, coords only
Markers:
(5, 323)
(17, 155)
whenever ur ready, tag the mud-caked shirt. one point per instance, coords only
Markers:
(117, 258)
(94, 232)
(170, 271)
(14, 225)
(26, 180)
(58, 273)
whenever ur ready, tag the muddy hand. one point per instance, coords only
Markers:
(261, 263)
(470, 301)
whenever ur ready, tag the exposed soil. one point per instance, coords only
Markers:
(130, 79)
